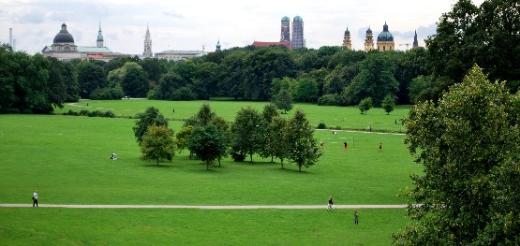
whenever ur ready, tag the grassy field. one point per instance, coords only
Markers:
(197, 227)
(332, 116)
(65, 158)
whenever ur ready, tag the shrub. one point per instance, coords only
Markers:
(329, 99)
(321, 125)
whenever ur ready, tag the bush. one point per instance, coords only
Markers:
(329, 99)
(107, 93)
(321, 125)
(96, 113)
(83, 112)
(365, 105)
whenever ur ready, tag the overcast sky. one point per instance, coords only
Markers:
(191, 24)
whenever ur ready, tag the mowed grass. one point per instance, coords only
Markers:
(332, 116)
(197, 227)
(66, 159)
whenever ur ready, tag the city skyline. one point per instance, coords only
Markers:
(179, 25)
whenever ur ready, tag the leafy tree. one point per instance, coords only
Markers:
(301, 145)
(208, 143)
(144, 120)
(388, 104)
(154, 68)
(270, 111)
(158, 144)
(247, 136)
(375, 79)
(134, 81)
(365, 105)
(183, 138)
(168, 84)
(468, 145)
(283, 100)
(278, 138)
(90, 77)
(306, 91)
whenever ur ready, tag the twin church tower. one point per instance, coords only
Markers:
(296, 41)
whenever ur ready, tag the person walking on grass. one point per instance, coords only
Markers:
(35, 199)
(356, 217)
(331, 202)
(380, 146)
(345, 146)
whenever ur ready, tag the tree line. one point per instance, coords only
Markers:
(210, 138)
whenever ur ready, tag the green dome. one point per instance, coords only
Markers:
(385, 35)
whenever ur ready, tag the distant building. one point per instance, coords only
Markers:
(415, 41)
(269, 44)
(385, 40)
(147, 44)
(347, 43)
(285, 33)
(218, 47)
(180, 55)
(297, 40)
(63, 48)
(369, 40)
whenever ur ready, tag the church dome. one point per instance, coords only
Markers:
(385, 35)
(369, 31)
(63, 36)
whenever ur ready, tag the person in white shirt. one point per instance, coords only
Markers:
(35, 199)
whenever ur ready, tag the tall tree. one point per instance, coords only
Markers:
(208, 143)
(270, 111)
(246, 133)
(278, 138)
(388, 104)
(283, 100)
(158, 144)
(468, 145)
(90, 77)
(302, 147)
(134, 81)
(151, 116)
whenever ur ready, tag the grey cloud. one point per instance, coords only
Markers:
(173, 14)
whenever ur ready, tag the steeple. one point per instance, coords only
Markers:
(347, 43)
(99, 40)
(147, 43)
(218, 47)
(369, 40)
(415, 41)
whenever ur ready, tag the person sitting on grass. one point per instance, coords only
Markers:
(331, 202)
(113, 156)
(380, 146)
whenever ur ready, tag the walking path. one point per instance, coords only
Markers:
(360, 131)
(219, 207)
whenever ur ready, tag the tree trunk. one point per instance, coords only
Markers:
(272, 158)
(207, 165)
(191, 154)
(251, 156)
(299, 168)
(281, 162)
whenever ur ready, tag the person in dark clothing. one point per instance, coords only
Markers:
(331, 202)
(380, 146)
(35, 199)
(345, 145)
(356, 217)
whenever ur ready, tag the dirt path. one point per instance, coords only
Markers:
(220, 207)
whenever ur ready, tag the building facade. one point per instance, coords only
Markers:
(347, 43)
(297, 40)
(63, 48)
(179, 55)
(385, 40)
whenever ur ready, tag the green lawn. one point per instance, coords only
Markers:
(197, 227)
(66, 159)
(332, 116)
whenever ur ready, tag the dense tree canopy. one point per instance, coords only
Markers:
(469, 146)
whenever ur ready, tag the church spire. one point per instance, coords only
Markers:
(99, 40)
(415, 41)
(147, 43)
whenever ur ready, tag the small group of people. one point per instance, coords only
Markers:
(330, 207)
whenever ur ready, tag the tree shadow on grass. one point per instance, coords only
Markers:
(161, 165)
(293, 171)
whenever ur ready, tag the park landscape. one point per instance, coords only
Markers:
(66, 159)
(251, 145)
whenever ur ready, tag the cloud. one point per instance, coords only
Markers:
(173, 14)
